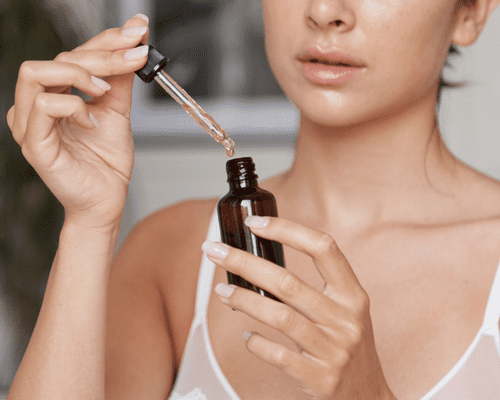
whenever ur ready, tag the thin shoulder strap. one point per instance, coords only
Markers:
(492, 314)
(207, 271)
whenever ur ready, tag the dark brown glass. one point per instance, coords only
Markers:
(246, 198)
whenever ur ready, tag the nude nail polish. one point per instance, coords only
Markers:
(94, 120)
(134, 31)
(144, 17)
(101, 84)
(215, 250)
(224, 290)
(136, 53)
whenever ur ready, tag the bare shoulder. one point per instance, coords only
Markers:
(478, 212)
(151, 300)
(170, 243)
(176, 234)
(481, 196)
(171, 227)
(163, 239)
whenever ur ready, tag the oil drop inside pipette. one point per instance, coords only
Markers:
(192, 108)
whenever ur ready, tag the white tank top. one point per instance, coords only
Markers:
(476, 376)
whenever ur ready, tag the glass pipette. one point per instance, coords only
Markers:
(153, 70)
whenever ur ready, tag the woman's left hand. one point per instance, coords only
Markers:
(332, 327)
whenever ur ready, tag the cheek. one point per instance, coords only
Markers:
(282, 22)
(412, 36)
(376, 13)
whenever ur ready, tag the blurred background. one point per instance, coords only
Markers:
(217, 54)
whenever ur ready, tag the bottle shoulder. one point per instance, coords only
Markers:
(247, 193)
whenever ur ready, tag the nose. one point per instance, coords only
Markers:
(330, 14)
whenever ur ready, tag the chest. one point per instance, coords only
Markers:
(425, 312)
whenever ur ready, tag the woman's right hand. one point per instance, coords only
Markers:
(87, 166)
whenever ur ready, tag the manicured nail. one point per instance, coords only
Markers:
(144, 17)
(134, 31)
(224, 290)
(94, 120)
(137, 53)
(215, 250)
(255, 221)
(100, 83)
(246, 335)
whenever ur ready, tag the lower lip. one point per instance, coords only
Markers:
(328, 74)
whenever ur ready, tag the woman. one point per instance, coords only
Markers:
(390, 249)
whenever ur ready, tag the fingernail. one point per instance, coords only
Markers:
(94, 120)
(246, 335)
(224, 290)
(137, 53)
(255, 221)
(144, 17)
(215, 250)
(134, 31)
(100, 83)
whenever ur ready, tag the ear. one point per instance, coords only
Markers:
(470, 19)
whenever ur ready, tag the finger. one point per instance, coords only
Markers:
(105, 63)
(117, 68)
(10, 117)
(36, 76)
(304, 370)
(328, 258)
(120, 38)
(278, 316)
(39, 145)
(127, 37)
(279, 281)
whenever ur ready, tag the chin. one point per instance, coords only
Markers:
(337, 110)
(336, 114)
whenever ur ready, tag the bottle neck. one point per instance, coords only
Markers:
(241, 173)
(243, 183)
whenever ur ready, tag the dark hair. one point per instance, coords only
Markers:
(453, 51)
(443, 83)
(30, 216)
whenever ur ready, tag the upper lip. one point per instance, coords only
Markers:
(328, 57)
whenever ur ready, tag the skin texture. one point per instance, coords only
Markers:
(391, 243)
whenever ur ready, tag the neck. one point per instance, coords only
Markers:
(374, 173)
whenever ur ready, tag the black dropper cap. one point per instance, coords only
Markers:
(156, 62)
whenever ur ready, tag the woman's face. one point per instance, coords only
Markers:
(394, 49)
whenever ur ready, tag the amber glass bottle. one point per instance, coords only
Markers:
(246, 198)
